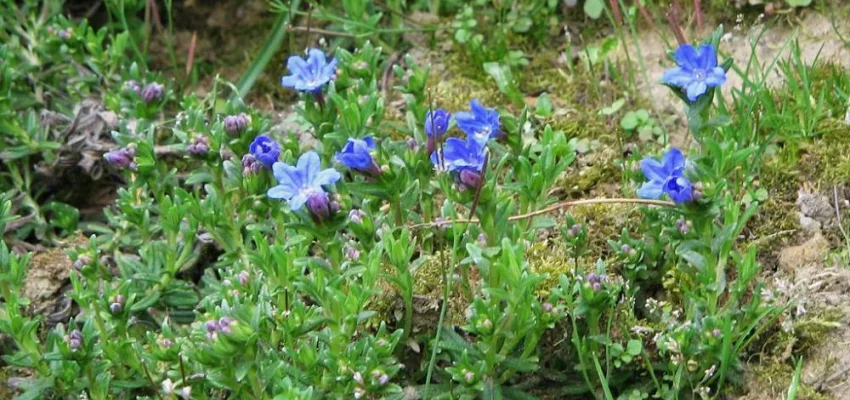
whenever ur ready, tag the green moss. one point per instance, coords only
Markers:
(774, 380)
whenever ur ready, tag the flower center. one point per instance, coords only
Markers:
(699, 74)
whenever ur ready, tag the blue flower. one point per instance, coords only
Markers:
(481, 123)
(355, 155)
(666, 177)
(436, 123)
(265, 149)
(309, 75)
(302, 182)
(697, 70)
(464, 159)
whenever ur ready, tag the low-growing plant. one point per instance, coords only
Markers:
(242, 261)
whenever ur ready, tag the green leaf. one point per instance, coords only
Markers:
(544, 105)
(799, 3)
(629, 121)
(593, 8)
(504, 79)
(613, 108)
(634, 347)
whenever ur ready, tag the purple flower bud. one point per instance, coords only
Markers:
(441, 223)
(250, 165)
(199, 146)
(383, 379)
(626, 248)
(574, 230)
(81, 262)
(352, 254)
(411, 144)
(547, 307)
(64, 34)
(211, 326)
(115, 308)
(334, 206)
(357, 378)
(683, 226)
(165, 343)
(243, 278)
(122, 158)
(133, 86)
(716, 332)
(592, 277)
(224, 324)
(597, 286)
(469, 179)
(482, 240)
(75, 340)
(318, 206)
(356, 216)
(236, 124)
(152, 93)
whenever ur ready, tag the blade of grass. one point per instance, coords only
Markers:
(246, 82)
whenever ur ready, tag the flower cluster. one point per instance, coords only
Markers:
(464, 159)
(199, 146)
(236, 124)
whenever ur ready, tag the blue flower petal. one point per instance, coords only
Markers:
(297, 201)
(695, 90)
(287, 174)
(679, 189)
(687, 57)
(677, 77)
(674, 161)
(326, 177)
(282, 192)
(716, 77)
(309, 165)
(707, 57)
(654, 170)
(370, 143)
(650, 190)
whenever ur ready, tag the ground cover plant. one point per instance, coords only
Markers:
(424, 199)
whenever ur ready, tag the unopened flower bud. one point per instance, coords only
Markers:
(547, 307)
(358, 378)
(224, 324)
(469, 179)
(318, 206)
(164, 342)
(352, 254)
(152, 93)
(199, 146)
(236, 124)
(411, 144)
(597, 286)
(482, 240)
(75, 340)
(469, 376)
(359, 393)
(133, 86)
(334, 206)
(81, 262)
(356, 216)
(243, 278)
(122, 158)
(64, 34)
(574, 230)
(683, 227)
(716, 332)
(592, 277)
(250, 164)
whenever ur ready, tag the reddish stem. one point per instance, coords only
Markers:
(615, 9)
(698, 10)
